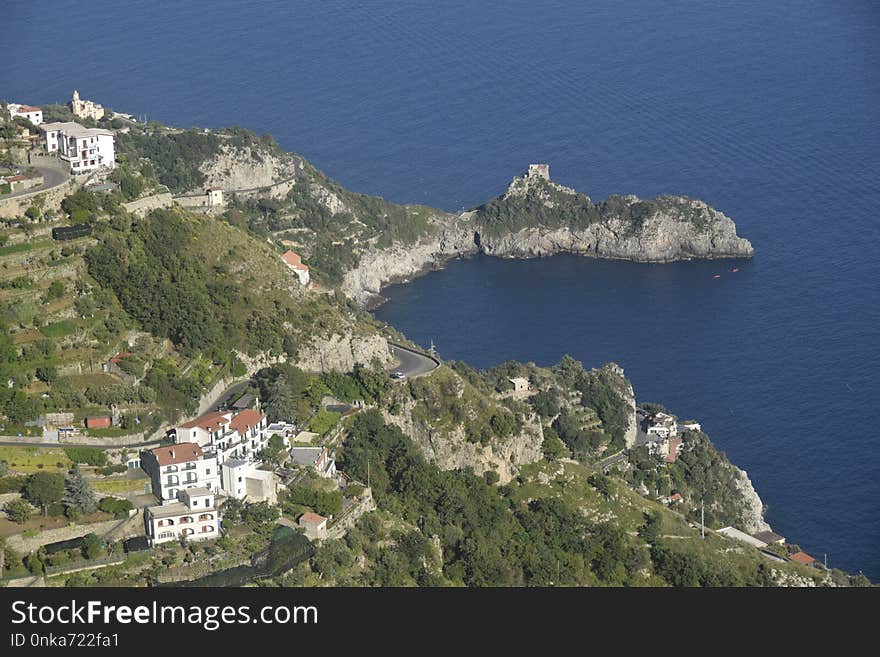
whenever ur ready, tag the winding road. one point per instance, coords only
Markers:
(412, 363)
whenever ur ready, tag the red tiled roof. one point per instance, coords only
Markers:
(673, 450)
(309, 518)
(676, 498)
(246, 419)
(29, 108)
(208, 422)
(118, 357)
(802, 557)
(294, 261)
(180, 453)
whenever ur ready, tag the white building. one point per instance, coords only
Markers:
(246, 481)
(296, 265)
(85, 109)
(315, 525)
(662, 425)
(194, 516)
(29, 112)
(84, 149)
(179, 467)
(227, 436)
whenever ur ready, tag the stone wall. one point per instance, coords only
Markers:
(51, 198)
(141, 206)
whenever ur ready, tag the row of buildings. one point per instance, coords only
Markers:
(84, 149)
(217, 454)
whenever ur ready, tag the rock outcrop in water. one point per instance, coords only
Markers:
(537, 217)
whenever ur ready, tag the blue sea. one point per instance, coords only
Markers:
(766, 110)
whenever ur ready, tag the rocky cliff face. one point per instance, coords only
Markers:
(753, 514)
(662, 237)
(537, 217)
(625, 390)
(451, 450)
(340, 353)
(378, 267)
(248, 168)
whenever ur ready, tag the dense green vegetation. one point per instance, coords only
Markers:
(487, 540)
(175, 156)
(546, 205)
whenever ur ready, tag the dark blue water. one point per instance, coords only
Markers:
(769, 111)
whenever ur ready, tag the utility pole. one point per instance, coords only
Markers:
(826, 561)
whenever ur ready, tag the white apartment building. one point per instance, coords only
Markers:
(227, 436)
(29, 112)
(194, 516)
(84, 149)
(180, 467)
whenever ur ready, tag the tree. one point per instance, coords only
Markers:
(18, 511)
(78, 494)
(47, 373)
(552, 446)
(55, 291)
(274, 450)
(44, 488)
(92, 546)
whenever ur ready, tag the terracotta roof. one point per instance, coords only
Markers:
(208, 422)
(309, 518)
(802, 557)
(29, 108)
(246, 419)
(179, 453)
(673, 450)
(676, 498)
(118, 357)
(293, 260)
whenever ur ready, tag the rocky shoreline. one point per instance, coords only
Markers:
(667, 229)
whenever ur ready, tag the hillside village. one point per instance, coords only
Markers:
(186, 398)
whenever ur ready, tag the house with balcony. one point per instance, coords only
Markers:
(180, 467)
(194, 516)
(227, 436)
(84, 149)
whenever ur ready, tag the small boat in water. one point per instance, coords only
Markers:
(717, 276)
(735, 269)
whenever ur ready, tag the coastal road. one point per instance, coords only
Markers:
(230, 393)
(53, 171)
(611, 460)
(412, 363)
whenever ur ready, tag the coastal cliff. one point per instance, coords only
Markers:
(536, 217)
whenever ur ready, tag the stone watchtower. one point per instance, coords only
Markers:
(539, 171)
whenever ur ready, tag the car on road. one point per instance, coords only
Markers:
(398, 375)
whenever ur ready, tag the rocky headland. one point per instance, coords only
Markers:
(537, 217)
